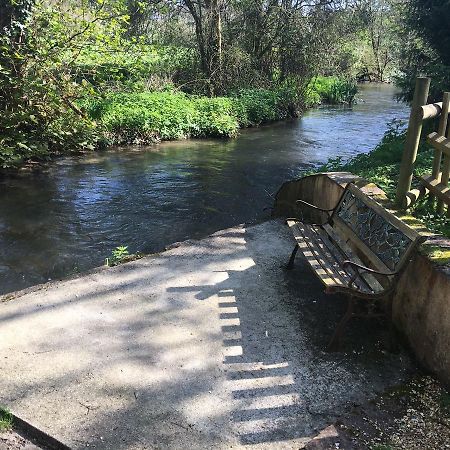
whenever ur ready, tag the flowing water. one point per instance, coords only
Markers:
(67, 217)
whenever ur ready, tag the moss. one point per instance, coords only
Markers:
(413, 222)
(438, 255)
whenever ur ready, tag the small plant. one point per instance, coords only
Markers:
(6, 419)
(118, 255)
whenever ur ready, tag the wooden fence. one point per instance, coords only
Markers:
(435, 184)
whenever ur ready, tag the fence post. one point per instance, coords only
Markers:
(412, 141)
(437, 159)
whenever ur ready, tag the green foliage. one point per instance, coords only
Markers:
(426, 211)
(150, 116)
(363, 41)
(214, 117)
(331, 90)
(427, 64)
(77, 74)
(426, 47)
(135, 67)
(145, 117)
(39, 115)
(432, 19)
(382, 167)
(6, 419)
(260, 106)
(118, 255)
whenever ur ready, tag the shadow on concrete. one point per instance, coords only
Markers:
(211, 344)
(285, 387)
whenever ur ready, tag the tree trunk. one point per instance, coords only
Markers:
(213, 43)
(208, 31)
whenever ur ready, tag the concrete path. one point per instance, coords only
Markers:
(212, 344)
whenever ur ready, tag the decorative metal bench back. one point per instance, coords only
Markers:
(385, 240)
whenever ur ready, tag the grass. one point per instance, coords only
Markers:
(382, 166)
(6, 419)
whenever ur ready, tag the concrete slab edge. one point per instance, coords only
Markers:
(95, 270)
(35, 435)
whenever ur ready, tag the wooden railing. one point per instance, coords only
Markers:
(436, 184)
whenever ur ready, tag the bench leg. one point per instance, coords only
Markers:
(290, 265)
(392, 342)
(335, 341)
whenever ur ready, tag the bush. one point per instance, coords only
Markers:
(259, 106)
(215, 117)
(150, 116)
(37, 122)
(331, 90)
(38, 112)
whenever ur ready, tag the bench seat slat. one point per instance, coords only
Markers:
(322, 263)
(335, 247)
(326, 259)
(333, 255)
(306, 246)
(338, 257)
(313, 250)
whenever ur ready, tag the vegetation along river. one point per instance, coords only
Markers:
(67, 217)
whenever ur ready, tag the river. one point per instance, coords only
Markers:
(67, 217)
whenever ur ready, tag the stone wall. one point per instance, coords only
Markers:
(421, 304)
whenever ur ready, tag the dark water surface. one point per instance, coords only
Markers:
(68, 217)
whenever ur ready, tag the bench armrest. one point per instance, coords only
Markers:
(367, 269)
(328, 211)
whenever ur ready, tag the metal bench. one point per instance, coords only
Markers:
(358, 249)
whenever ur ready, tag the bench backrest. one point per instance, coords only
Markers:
(381, 237)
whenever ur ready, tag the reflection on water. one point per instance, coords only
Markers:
(69, 216)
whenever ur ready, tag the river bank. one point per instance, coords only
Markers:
(143, 117)
(382, 167)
